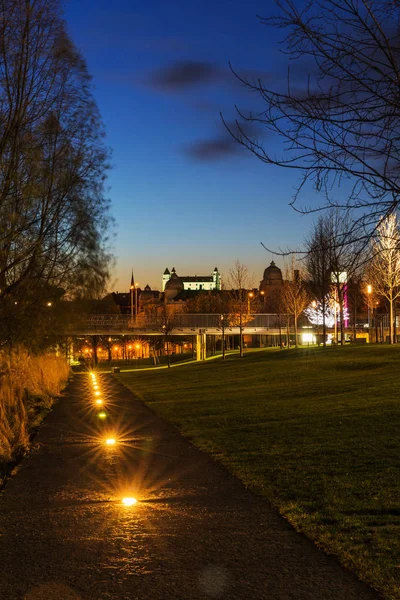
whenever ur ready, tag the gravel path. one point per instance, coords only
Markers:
(196, 532)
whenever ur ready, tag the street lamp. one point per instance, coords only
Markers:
(314, 304)
(250, 296)
(223, 336)
(369, 291)
(136, 307)
(132, 288)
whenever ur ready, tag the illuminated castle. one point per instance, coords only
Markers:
(191, 282)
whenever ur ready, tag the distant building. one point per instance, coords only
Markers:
(126, 301)
(177, 290)
(270, 287)
(192, 282)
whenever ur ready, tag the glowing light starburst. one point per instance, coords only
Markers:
(129, 501)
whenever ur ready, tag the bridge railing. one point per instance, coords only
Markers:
(180, 321)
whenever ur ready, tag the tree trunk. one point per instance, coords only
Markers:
(241, 334)
(355, 316)
(341, 312)
(95, 344)
(391, 336)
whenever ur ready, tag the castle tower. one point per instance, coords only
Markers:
(165, 278)
(216, 279)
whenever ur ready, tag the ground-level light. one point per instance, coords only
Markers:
(110, 442)
(129, 501)
(99, 402)
(307, 338)
(102, 415)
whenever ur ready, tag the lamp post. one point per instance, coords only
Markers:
(250, 296)
(336, 320)
(223, 335)
(369, 291)
(132, 287)
(314, 304)
(136, 307)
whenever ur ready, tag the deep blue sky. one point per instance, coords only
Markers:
(181, 195)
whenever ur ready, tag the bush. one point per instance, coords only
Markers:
(28, 386)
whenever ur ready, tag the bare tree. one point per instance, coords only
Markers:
(240, 283)
(54, 215)
(335, 255)
(165, 322)
(337, 117)
(384, 270)
(295, 295)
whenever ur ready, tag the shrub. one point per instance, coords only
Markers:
(28, 386)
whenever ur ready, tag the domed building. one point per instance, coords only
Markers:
(270, 287)
(173, 286)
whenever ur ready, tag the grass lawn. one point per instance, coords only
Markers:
(315, 431)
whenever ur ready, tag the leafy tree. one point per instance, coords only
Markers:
(317, 266)
(54, 214)
(205, 302)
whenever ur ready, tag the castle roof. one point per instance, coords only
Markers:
(166, 272)
(191, 278)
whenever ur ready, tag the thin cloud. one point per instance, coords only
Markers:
(184, 74)
(223, 145)
(213, 149)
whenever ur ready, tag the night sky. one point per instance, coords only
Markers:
(183, 194)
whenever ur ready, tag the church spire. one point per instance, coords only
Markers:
(132, 281)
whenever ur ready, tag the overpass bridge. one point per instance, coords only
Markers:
(199, 325)
(202, 325)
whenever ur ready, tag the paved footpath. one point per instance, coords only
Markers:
(196, 532)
